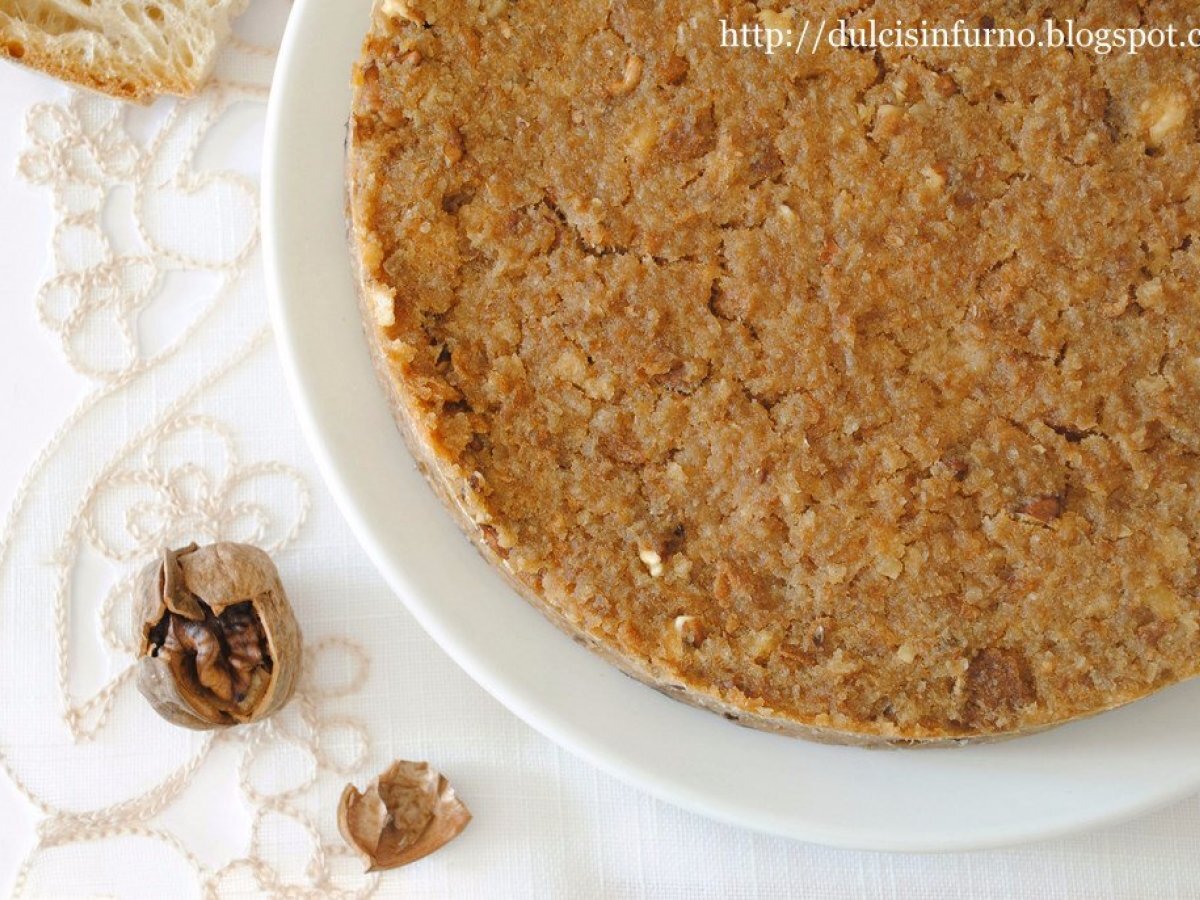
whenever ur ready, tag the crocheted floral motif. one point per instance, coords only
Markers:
(154, 264)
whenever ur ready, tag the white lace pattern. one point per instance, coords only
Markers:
(155, 267)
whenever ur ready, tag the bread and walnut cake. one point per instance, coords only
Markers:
(854, 394)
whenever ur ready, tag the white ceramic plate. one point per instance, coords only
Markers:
(1074, 777)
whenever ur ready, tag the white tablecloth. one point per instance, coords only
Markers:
(141, 403)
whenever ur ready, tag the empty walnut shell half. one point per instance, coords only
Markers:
(219, 643)
(408, 812)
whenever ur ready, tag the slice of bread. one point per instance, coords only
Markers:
(133, 50)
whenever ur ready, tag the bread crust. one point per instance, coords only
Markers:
(133, 86)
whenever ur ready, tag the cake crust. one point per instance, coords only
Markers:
(863, 405)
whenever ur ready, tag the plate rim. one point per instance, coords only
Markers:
(547, 722)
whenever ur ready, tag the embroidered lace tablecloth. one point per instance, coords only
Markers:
(141, 404)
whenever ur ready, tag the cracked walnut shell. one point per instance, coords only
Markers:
(219, 643)
(407, 813)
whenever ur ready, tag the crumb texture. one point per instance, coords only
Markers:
(857, 391)
(132, 50)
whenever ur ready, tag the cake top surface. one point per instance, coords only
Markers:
(857, 390)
